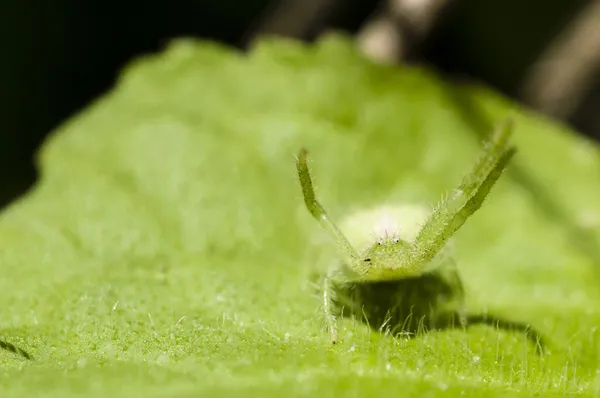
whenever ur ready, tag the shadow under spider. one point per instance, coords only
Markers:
(5, 345)
(420, 304)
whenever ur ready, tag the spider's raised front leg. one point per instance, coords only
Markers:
(447, 218)
(321, 216)
(346, 273)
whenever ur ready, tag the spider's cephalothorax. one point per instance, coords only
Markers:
(388, 259)
(406, 271)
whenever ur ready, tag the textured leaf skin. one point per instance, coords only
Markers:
(166, 249)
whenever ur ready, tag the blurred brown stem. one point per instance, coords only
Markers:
(391, 34)
(293, 18)
(559, 81)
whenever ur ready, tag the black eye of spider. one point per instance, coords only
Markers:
(367, 259)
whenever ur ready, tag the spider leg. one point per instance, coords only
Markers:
(351, 270)
(319, 213)
(466, 199)
(328, 308)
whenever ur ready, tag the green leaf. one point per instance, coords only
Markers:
(166, 249)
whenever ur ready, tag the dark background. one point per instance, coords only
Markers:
(57, 56)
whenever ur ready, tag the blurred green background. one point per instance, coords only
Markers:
(58, 56)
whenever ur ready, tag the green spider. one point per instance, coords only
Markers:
(407, 278)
